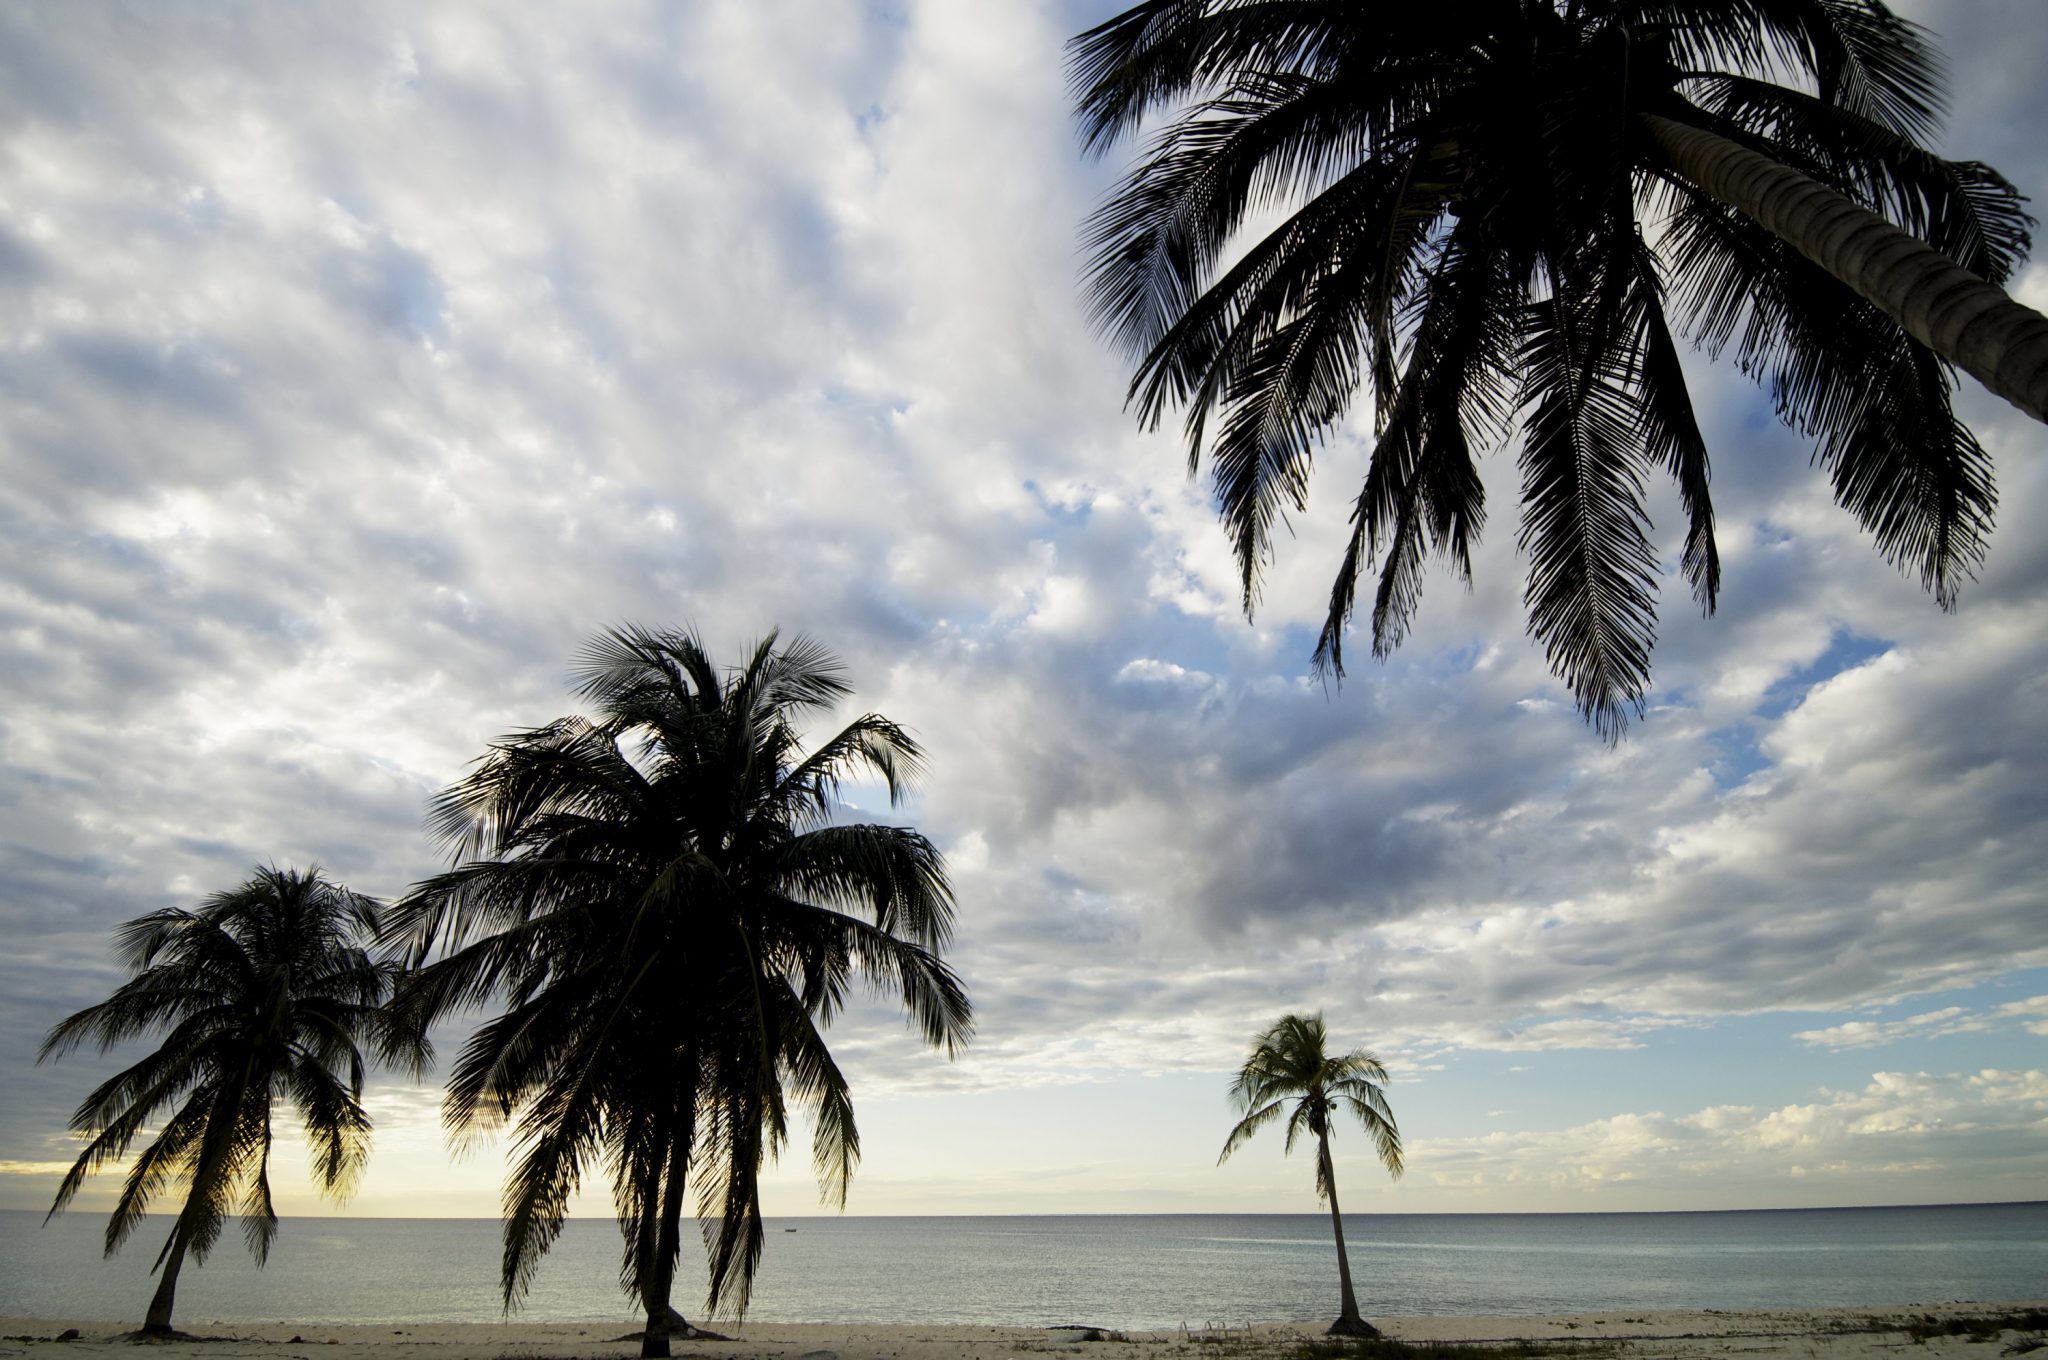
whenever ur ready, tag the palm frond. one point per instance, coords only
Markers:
(1422, 490)
(818, 1084)
(1242, 1131)
(553, 1145)
(1163, 51)
(1591, 591)
(1877, 403)
(1857, 55)
(870, 744)
(893, 873)
(729, 1201)
(258, 1211)
(1670, 431)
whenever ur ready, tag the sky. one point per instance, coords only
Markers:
(359, 363)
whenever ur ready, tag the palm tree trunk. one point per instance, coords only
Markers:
(646, 1234)
(215, 1155)
(157, 1322)
(661, 1318)
(1970, 322)
(1348, 1322)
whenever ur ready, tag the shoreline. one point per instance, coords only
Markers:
(1933, 1330)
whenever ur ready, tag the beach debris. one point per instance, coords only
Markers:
(68, 1334)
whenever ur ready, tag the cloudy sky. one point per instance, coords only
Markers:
(358, 363)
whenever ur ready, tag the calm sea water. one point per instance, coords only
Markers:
(1138, 1271)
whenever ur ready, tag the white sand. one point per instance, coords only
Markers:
(1821, 1334)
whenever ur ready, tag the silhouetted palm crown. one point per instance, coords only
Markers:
(265, 991)
(1476, 208)
(1291, 1074)
(662, 896)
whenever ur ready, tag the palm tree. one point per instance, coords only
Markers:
(1485, 211)
(673, 913)
(265, 991)
(1290, 1062)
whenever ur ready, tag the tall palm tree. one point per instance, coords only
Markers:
(266, 991)
(1499, 213)
(665, 898)
(1291, 1062)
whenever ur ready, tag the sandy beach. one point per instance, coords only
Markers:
(1974, 1330)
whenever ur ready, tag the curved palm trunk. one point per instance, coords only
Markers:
(215, 1156)
(1348, 1322)
(1970, 322)
(157, 1322)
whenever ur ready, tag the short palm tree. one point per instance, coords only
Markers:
(265, 991)
(1291, 1072)
(1498, 213)
(667, 900)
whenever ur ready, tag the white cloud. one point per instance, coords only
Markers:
(1926, 1025)
(1568, 1034)
(1151, 670)
(2032, 1013)
(1897, 1127)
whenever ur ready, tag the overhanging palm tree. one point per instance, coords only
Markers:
(1290, 1072)
(1498, 213)
(266, 991)
(665, 899)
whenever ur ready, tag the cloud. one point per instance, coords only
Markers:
(19, 1168)
(1927, 1025)
(1570, 1034)
(2032, 1013)
(1843, 1147)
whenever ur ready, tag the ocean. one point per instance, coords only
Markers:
(1124, 1271)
